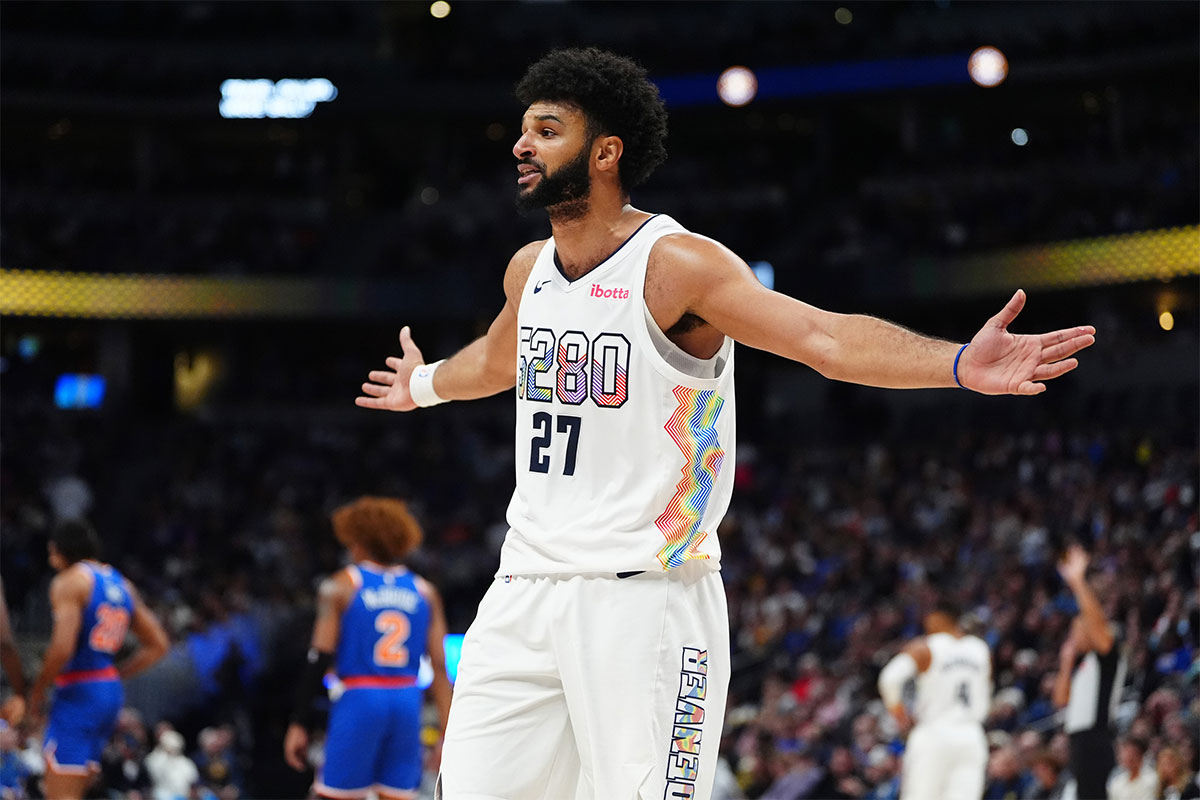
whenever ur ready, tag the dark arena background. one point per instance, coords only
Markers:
(216, 217)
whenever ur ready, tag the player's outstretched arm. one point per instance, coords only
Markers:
(152, 639)
(483, 368)
(69, 592)
(719, 287)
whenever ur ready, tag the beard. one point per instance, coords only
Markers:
(563, 193)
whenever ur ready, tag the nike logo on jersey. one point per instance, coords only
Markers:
(540, 286)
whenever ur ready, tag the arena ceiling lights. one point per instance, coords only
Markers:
(287, 99)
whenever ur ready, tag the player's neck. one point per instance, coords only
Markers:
(583, 242)
(957, 633)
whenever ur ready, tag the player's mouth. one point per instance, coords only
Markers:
(527, 174)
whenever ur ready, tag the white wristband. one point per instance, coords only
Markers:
(420, 385)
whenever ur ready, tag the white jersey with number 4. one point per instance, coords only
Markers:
(957, 687)
(624, 443)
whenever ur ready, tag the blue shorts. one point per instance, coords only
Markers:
(373, 742)
(82, 719)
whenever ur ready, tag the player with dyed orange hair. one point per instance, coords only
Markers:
(375, 619)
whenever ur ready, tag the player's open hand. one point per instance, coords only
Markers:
(1073, 566)
(295, 747)
(388, 389)
(999, 362)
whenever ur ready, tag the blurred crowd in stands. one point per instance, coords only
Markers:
(187, 206)
(831, 554)
(836, 186)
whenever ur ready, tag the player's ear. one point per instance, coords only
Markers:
(608, 150)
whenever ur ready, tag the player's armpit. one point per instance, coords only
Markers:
(693, 275)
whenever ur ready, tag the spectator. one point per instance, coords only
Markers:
(883, 773)
(172, 772)
(1005, 778)
(217, 761)
(840, 781)
(795, 772)
(1134, 780)
(124, 769)
(1049, 779)
(1175, 780)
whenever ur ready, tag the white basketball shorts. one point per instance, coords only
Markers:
(944, 761)
(591, 687)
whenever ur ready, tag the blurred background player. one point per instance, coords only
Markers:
(1090, 674)
(13, 708)
(94, 607)
(947, 752)
(375, 620)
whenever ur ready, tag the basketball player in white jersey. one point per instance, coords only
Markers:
(946, 755)
(598, 662)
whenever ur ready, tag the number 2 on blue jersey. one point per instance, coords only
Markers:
(395, 628)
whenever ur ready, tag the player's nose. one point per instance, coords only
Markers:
(524, 146)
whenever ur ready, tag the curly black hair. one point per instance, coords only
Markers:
(76, 540)
(614, 94)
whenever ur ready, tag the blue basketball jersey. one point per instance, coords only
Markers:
(105, 620)
(386, 625)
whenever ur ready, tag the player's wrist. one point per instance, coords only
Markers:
(420, 385)
(957, 368)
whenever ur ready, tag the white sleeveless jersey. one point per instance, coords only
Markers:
(624, 462)
(957, 687)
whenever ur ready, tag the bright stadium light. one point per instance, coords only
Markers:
(1019, 137)
(737, 86)
(987, 66)
(1166, 321)
(287, 99)
(439, 9)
